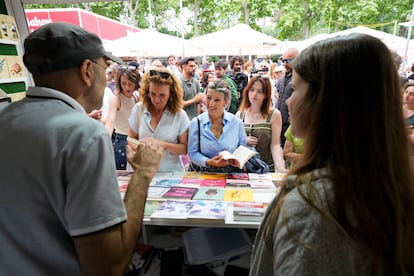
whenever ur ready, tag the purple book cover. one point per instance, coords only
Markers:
(180, 192)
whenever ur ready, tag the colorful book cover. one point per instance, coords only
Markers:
(213, 176)
(156, 192)
(234, 175)
(248, 211)
(165, 182)
(178, 192)
(209, 193)
(195, 175)
(208, 211)
(238, 195)
(191, 182)
(237, 183)
(213, 183)
(173, 210)
(151, 206)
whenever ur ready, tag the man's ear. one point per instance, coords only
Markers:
(87, 72)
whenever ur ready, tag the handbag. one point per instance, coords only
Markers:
(256, 165)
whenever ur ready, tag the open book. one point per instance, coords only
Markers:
(241, 155)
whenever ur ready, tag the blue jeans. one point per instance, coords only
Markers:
(120, 151)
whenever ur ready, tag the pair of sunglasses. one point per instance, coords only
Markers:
(163, 75)
(287, 60)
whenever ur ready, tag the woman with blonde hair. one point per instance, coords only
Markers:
(159, 117)
(347, 206)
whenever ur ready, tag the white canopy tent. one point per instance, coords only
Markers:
(150, 43)
(237, 40)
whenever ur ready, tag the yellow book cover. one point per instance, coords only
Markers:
(238, 195)
(15, 66)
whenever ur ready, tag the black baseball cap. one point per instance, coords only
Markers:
(60, 45)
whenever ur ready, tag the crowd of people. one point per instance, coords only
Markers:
(345, 208)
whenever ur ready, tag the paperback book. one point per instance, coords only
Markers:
(262, 184)
(155, 192)
(172, 210)
(260, 176)
(241, 155)
(209, 193)
(238, 195)
(213, 183)
(208, 212)
(151, 206)
(235, 175)
(248, 211)
(165, 182)
(237, 183)
(178, 192)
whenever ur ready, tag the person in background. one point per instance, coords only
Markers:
(293, 149)
(191, 87)
(61, 209)
(156, 64)
(237, 76)
(214, 131)
(345, 208)
(262, 124)
(408, 107)
(173, 67)
(159, 118)
(221, 67)
(284, 90)
(205, 80)
(120, 107)
(247, 66)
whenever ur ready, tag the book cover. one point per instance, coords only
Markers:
(8, 28)
(213, 176)
(209, 193)
(238, 195)
(191, 182)
(262, 184)
(237, 183)
(241, 155)
(4, 72)
(178, 192)
(248, 211)
(208, 211)
(235, 175)
(213, 183)
(155, 192)
(258, 176)
(173, 210)
(15, 67)
(198, 175)
(151, 206)
(165, 182)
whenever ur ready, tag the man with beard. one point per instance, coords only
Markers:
(191, 87)
(221, 67)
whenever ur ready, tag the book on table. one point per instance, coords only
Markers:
(155, 192)
(151, 206)
(208, 212)
(206, 245)
(172, 210)
(238, 195)
(241, 155)
(248, 211)
(209, 193)
(178, 192)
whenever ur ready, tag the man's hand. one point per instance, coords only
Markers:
(147, 157)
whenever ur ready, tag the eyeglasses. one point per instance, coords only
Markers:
(287, 60)
(163, 75)
(97, 63)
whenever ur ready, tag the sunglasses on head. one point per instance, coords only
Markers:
(287, 60)
(163, 75)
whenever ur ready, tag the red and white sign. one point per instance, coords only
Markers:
(106, 28)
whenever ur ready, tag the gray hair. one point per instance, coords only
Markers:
(221, 86)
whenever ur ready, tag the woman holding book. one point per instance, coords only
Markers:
(347, 206)
(215, 131)
(159, 118)
(262, 124)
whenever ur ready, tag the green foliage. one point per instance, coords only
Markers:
(290, 19)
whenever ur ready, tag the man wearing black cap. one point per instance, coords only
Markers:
(61, 212)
